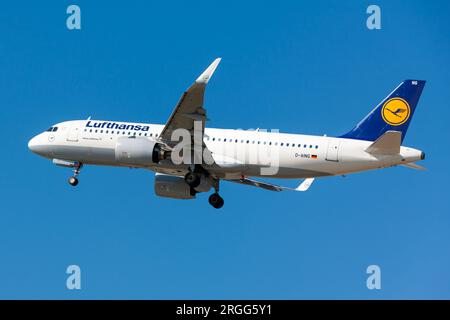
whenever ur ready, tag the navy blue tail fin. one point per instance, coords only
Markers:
(393, 113)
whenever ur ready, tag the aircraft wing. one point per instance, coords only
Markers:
(189, 108)
(273, 187)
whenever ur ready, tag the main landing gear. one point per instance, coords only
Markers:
(73, 181)
(215, 199)
(194, 176)
(193, 179)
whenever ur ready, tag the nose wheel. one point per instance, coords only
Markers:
(73, 181)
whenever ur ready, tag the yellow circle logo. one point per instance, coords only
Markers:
(395, 111)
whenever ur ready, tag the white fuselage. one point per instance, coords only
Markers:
(236, 153)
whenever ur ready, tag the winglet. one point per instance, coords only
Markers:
(207, 74)
(387, 144)
(305, 184)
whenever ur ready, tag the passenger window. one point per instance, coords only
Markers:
(281, 144)
(287, 144)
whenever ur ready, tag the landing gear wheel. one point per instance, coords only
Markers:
(216, 200)
(192, 179)
(73, 181)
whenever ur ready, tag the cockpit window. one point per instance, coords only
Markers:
(51, 129)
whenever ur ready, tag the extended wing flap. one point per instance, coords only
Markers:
(273, 187)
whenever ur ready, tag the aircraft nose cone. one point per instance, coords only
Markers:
(33, 144)
(40, 145)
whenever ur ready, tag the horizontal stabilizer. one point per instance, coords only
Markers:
(414, 166)
(388, 144)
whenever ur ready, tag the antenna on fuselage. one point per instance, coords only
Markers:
(89, 118)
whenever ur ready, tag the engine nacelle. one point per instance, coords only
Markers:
(138, 151)
(172, 187)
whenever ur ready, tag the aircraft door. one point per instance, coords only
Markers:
(73, 133)
(333, 150)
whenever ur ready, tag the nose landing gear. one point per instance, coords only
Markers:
(73, 181)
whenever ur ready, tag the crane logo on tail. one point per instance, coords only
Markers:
(395, 111)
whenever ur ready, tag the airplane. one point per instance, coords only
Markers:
(209, 155)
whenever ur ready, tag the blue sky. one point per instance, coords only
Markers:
(301, 67)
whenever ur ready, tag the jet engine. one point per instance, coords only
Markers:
(138, 151)
(170, 186)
